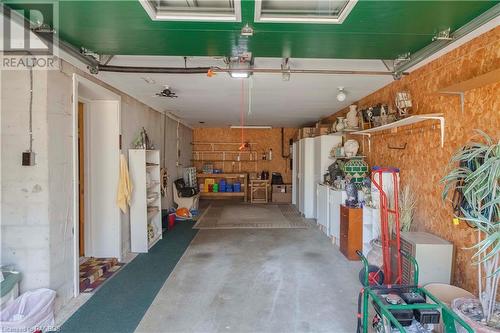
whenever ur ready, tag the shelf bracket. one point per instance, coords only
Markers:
(457, 93)
(441, 125)
(369, 136)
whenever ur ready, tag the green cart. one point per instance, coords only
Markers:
(386, 309)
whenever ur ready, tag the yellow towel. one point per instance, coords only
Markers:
(124, 186)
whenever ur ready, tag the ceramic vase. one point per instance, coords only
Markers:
(351, 148)
(352, 117)
(340, 124)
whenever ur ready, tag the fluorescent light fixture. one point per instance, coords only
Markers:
(250, 127)
(239, 75)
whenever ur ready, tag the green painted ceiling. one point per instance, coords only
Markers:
(373, 30)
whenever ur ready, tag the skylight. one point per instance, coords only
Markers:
(193, 10)
(303, 11)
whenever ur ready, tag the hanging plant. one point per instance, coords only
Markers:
(474, 176)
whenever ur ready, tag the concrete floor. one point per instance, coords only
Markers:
(258, 280)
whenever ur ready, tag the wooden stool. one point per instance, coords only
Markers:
(259, 185)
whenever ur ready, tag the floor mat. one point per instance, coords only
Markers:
(248, 216)
(95, 271)
(120, 304)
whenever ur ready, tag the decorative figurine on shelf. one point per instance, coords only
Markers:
(335, 170)
(352, 194)
(351, 148)
(366, 188)
(340, 124)
(403, 103)
(142, 141)
(352, 117)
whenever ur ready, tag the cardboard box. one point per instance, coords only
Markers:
(289, 188)
(307, 132)
(282, 197)
(279, 188)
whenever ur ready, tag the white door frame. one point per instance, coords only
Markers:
(103, 94)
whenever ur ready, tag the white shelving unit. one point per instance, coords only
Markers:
(145, 206)
(404, 122)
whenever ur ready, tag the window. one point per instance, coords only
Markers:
(193, 10)
(303, 11)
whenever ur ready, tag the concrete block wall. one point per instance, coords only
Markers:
(25, 229)
(37, 208)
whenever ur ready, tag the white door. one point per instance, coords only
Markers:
(102, 229)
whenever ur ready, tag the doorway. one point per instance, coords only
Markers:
(96, 156)
(81, 181)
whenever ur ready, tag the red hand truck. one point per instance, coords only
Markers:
(390, 240)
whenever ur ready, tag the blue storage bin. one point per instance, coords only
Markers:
(222, 185)
(237, 187)
(229, 187)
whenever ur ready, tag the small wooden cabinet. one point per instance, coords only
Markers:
(351, 231)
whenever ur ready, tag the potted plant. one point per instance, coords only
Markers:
(474, 179)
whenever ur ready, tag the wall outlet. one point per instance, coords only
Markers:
(28, 158)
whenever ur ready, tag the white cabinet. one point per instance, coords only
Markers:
(371, 227)
(145, 206)
(322, 146)
(307, 187)
(336, 198)
(323, 208)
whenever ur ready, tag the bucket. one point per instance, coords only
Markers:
(171, 221)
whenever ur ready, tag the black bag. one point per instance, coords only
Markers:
(183, 190)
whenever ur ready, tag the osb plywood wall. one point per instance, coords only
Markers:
(424, 162)
(261, 139)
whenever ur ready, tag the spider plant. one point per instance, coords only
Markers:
(474, 176)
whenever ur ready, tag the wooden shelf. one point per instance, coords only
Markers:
(479, 81)
(215, 161)
(474, 83)
(221, 175)
(222, 194)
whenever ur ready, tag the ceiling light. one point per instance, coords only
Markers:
(239, 75)
(250, 127)
(241, 66)
(166, 92)
(341, 96)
